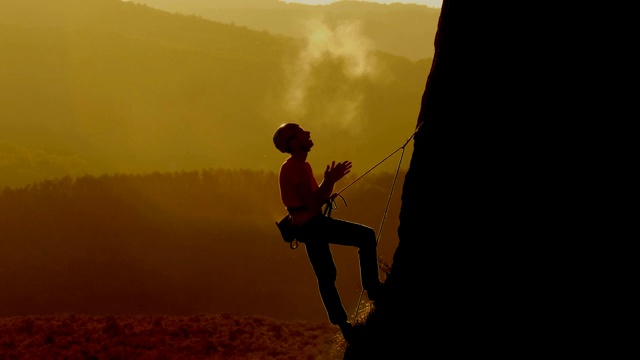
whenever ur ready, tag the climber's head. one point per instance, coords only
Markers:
(284, 134)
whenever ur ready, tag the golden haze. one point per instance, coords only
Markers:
(95, 87)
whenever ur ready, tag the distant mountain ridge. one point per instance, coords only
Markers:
(397, 28)
(105, 86)
(136, 20)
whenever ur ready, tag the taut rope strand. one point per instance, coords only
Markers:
(390, 194)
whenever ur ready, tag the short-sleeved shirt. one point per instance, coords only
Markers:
(292, 173)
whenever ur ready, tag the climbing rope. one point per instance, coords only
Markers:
(331, 204)
(385, 159)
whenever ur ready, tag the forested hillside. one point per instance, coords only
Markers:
(396, 28)
(96, 87)
(178, 243)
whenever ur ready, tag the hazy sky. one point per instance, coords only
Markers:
(432, 3)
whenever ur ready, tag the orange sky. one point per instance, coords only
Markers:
(432, 3)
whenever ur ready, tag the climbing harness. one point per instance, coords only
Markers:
(330, 205)
(288, 232)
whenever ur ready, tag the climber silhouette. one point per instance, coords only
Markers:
(304, 198)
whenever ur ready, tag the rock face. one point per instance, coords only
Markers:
(476, 270)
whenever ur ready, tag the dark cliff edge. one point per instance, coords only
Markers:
(482, 265)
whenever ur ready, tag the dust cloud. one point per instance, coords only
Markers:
(342, 43)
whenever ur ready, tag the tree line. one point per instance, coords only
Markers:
(175, 243)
